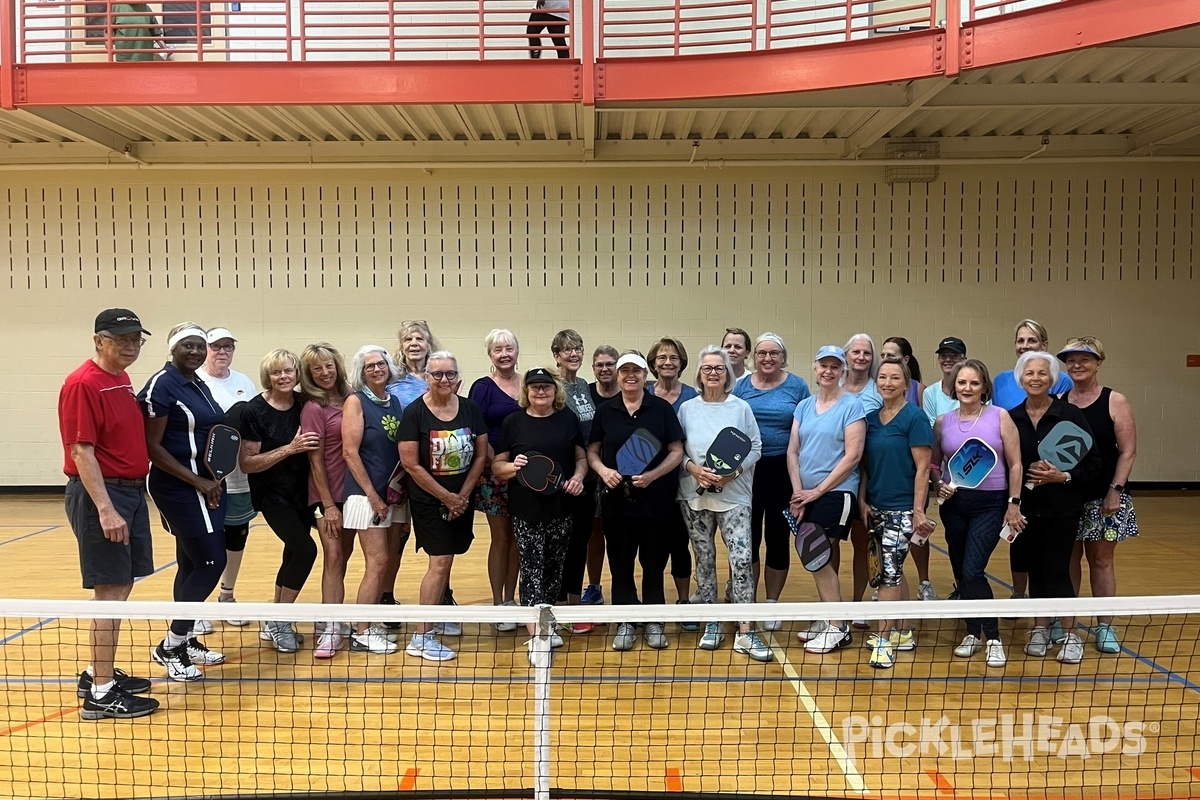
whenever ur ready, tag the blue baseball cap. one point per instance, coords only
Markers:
(831, 351)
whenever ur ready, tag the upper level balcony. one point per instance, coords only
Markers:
(620, 80)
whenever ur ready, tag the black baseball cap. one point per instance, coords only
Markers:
(538, 375)
(119, 321)
(953, 344)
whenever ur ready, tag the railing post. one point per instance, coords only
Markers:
(678, 21)
(8, 52)
(480, 29)
(540, 656)
(582, 18)
(954, 56)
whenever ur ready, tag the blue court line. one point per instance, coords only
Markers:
(35, 533)
(44, 622)
(1152, 664)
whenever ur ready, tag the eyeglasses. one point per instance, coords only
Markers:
(713, 369)
(446, 375)
(670, 358)
(768, 353)
(604, 365)
(541, 388)
(571, 349)
(124, 341)
(374, 365)
(222, 348)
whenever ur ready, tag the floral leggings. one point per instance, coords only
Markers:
(541, 550)
(735, 530)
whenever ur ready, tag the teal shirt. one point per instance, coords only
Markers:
(888, 458)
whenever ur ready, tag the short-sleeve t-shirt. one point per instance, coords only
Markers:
(612, 427)
(446, 449)
(935, 402)
(580, 400)
(773, 410)
(891, 470)
(555, 436)
(285, 485)
(98, 408)
(229, 391)
(494, 403)
(408, 389)
(823, 440)
(190, 411)
(869, 395)
(326, 423)
(1008, 394)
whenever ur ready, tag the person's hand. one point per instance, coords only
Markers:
(612, 479)
(378, 505)
(804, 497)
(573, 487)
(520, 461)
(641, 481)
(1041, 472)
(706, 477)
(921, 522)
(797, 508)
(210, 489)
(330, 526)
(303, 442)
(1111, 503)
(116, 529)
(1014, 519)
(456, 505)
(946, 490)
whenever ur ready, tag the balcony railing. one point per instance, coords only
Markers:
(57, 31)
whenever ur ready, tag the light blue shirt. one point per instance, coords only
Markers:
(870, 398)
(823, 440)
(407, 389)
(1008, 394)
(935, 402)
(773, 409)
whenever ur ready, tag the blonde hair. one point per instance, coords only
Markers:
(275, 360)
(315, 354)
(1039, 330)
(560, 394)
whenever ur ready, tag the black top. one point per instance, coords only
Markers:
(612, 426)
(1104, 431)
(598, 399)
(446, 449)
(284, 485)
(555, 436)
(1054, 499)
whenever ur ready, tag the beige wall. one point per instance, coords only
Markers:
(286, 258)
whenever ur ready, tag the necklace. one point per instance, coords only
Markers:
(958, 416)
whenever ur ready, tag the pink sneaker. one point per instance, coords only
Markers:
(327, 645)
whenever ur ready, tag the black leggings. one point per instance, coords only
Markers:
(772, 492)
(1044, 551)
(299, 550)
(680, 544)
(236, 536)
(583, 514)
(541, 548)
(556, 29)
(200, 560)
(645, 540)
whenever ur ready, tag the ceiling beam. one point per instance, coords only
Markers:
(885, 120)
(1176, 132)
(984, 95)
(75, 126)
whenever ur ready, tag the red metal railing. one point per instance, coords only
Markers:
(33, 31)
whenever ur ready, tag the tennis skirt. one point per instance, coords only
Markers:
(1096, 527)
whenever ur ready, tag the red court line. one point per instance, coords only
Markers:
(409, 781)
(939, 780)
(1196, 773)
(674, 781)
(62, 712)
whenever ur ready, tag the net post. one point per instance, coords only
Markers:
(540, 655)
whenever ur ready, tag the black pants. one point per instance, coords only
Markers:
(771, 494)
(973, 520)
(1044, 551)
(556, 29)
(291, 525)
(583, 514)
(200, 560)
(646, 540)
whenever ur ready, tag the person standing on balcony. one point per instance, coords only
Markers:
(551, 16)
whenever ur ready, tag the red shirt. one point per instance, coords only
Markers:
(98, 408)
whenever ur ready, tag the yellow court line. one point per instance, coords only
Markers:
(853, 778)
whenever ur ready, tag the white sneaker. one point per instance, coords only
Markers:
(199, 654)
(829, 639)
(995, 653)
(506, 627)
(812, 631)
(328, 644)
(372, 641)
(556, 640)
(926, 591)
(1039, 642)
(751, 645)
(427, 646)
(626, 633)
(447, 629)
(376, 629)
(200, 627)
(655, 636)
(712, 637)
(1072, 649)
(179, 665)
(968, 646)
(772, 624)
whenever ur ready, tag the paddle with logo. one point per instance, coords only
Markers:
(726, 453)
(970, 465)
(540, 474)
(221, 451)
(1064, 446)
(635, 455)
(812, 543)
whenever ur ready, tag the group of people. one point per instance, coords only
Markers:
(388, 445)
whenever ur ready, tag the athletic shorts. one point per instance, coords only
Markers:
(238, 509)
(437, 536)
(834, 511)
(103, 562)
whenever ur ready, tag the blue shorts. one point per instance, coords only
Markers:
(103, 562)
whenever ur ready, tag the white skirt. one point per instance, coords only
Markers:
(358, 515)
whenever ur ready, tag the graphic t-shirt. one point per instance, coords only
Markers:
(446, 449)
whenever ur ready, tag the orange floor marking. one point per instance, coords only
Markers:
(940, 781)
(62, 712)
(1196, 773)
(409, 781)
(674, 781)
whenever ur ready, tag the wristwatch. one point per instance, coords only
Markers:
(1015, 501)
(737, 473)
(1119, 488)
(1068, 478)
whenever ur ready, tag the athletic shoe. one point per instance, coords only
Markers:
(812, 631)
(264, 632)
(772, 624)
(179, 665)
(655, 637)
(691, 626)
(556, 640)
(200, 627)
(236, 622)
(626, 633)
(117, 704)
(580, 628)
(1105, 638)
(873, 641)
(372, 640)
(125, 682)
(882, 654)
(829, 639)
(281, 635)
(427, 646)
(749, 644)
(968, 646)
(860, 624)
(448, 628)
(925, 591)
(391, 626)
(448, 597)
(994, 654)
(955, 594)
(199, 654)
(1072, 649)
(712, 638)
(593, 595)
(328, 644)
(1057, 634)
(506, 627)
(903, 640)
(1039, 642)
(376, 629)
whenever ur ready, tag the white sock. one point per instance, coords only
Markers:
(99, 690)
(174, 640)
(90, 671)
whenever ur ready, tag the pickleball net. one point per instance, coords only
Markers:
(586, 721)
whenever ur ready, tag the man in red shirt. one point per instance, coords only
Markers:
(106, 462)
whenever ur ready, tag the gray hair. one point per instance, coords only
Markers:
(874, 351)
(499, 336)
(360, 359)
(1034, 355)
(714, 350)
(775, 339)
(441, 355)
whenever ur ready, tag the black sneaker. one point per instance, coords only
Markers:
(127, 683)
(448, 597)
(391, 626)
(117, 704)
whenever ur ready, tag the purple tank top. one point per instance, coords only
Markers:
(987, 428)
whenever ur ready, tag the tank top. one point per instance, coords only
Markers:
(1104, 434)
(956, 431)
(377, 449)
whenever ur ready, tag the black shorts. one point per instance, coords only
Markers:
(103, 562)
(834, 511)
(437, 536)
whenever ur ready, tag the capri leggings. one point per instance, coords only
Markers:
(200, 560)
(299, 550)
(583, 514)
(772, 491)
